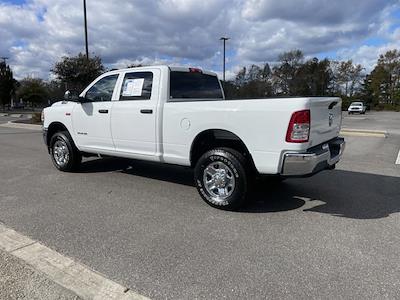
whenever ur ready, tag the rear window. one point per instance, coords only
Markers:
(194, 85)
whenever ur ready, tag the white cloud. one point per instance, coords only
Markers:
(37, 34)
(367, 56)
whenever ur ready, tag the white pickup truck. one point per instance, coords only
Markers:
(180, 116)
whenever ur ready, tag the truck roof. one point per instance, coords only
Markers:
(172, 68)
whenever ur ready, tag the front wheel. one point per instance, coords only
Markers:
(64, 154)
(221, 178)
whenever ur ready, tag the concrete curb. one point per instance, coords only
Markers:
(62, 270)
(11, 124)
(21, 281)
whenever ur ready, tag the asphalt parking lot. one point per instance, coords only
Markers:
(334, 235)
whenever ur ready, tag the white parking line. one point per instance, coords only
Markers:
(66, 272)
(398, 159)
(355, 118)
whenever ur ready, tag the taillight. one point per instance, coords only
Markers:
(299, 127)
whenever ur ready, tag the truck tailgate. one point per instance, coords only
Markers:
(326, 119)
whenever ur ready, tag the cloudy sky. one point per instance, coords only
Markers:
(36, 33)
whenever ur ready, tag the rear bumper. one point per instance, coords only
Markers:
(315, 159)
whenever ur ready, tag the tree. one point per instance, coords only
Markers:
(231, 90)
(347, 78)
(379, 79)
(7, 84)
(382, 85)
(266, 72)
(76, 72)
(286, 71)
(254, 73)
(32, 90)
(240, 78)
(253, 82)
(343, 76)
(356, 76)
(295, 76)
(366, 92)
(313, 78)
(390, 64)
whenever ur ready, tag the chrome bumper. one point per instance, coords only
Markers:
(315, 159)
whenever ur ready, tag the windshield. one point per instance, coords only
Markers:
(356, 104)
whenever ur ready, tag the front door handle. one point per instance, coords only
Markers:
(146, 111)
(103, 111)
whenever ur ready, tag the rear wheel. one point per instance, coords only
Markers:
(64, 154)
(221, 178)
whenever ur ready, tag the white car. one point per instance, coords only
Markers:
(180, 116)
(357, 107)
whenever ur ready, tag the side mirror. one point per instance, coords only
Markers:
(71, 95)
(67, 95)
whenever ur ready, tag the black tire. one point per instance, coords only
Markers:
(72, 159)
(235, 169)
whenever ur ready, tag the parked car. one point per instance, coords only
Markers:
(180, 116)
(357, 107)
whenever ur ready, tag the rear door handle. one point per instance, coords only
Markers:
(146, 111)
(103, 111)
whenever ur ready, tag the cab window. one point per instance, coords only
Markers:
(137, 86)
(102, 90)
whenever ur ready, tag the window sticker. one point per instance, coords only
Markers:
(133, 87)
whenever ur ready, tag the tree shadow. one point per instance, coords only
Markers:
(338, 193)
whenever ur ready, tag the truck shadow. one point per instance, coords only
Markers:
(338, 193)
(153, 170)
